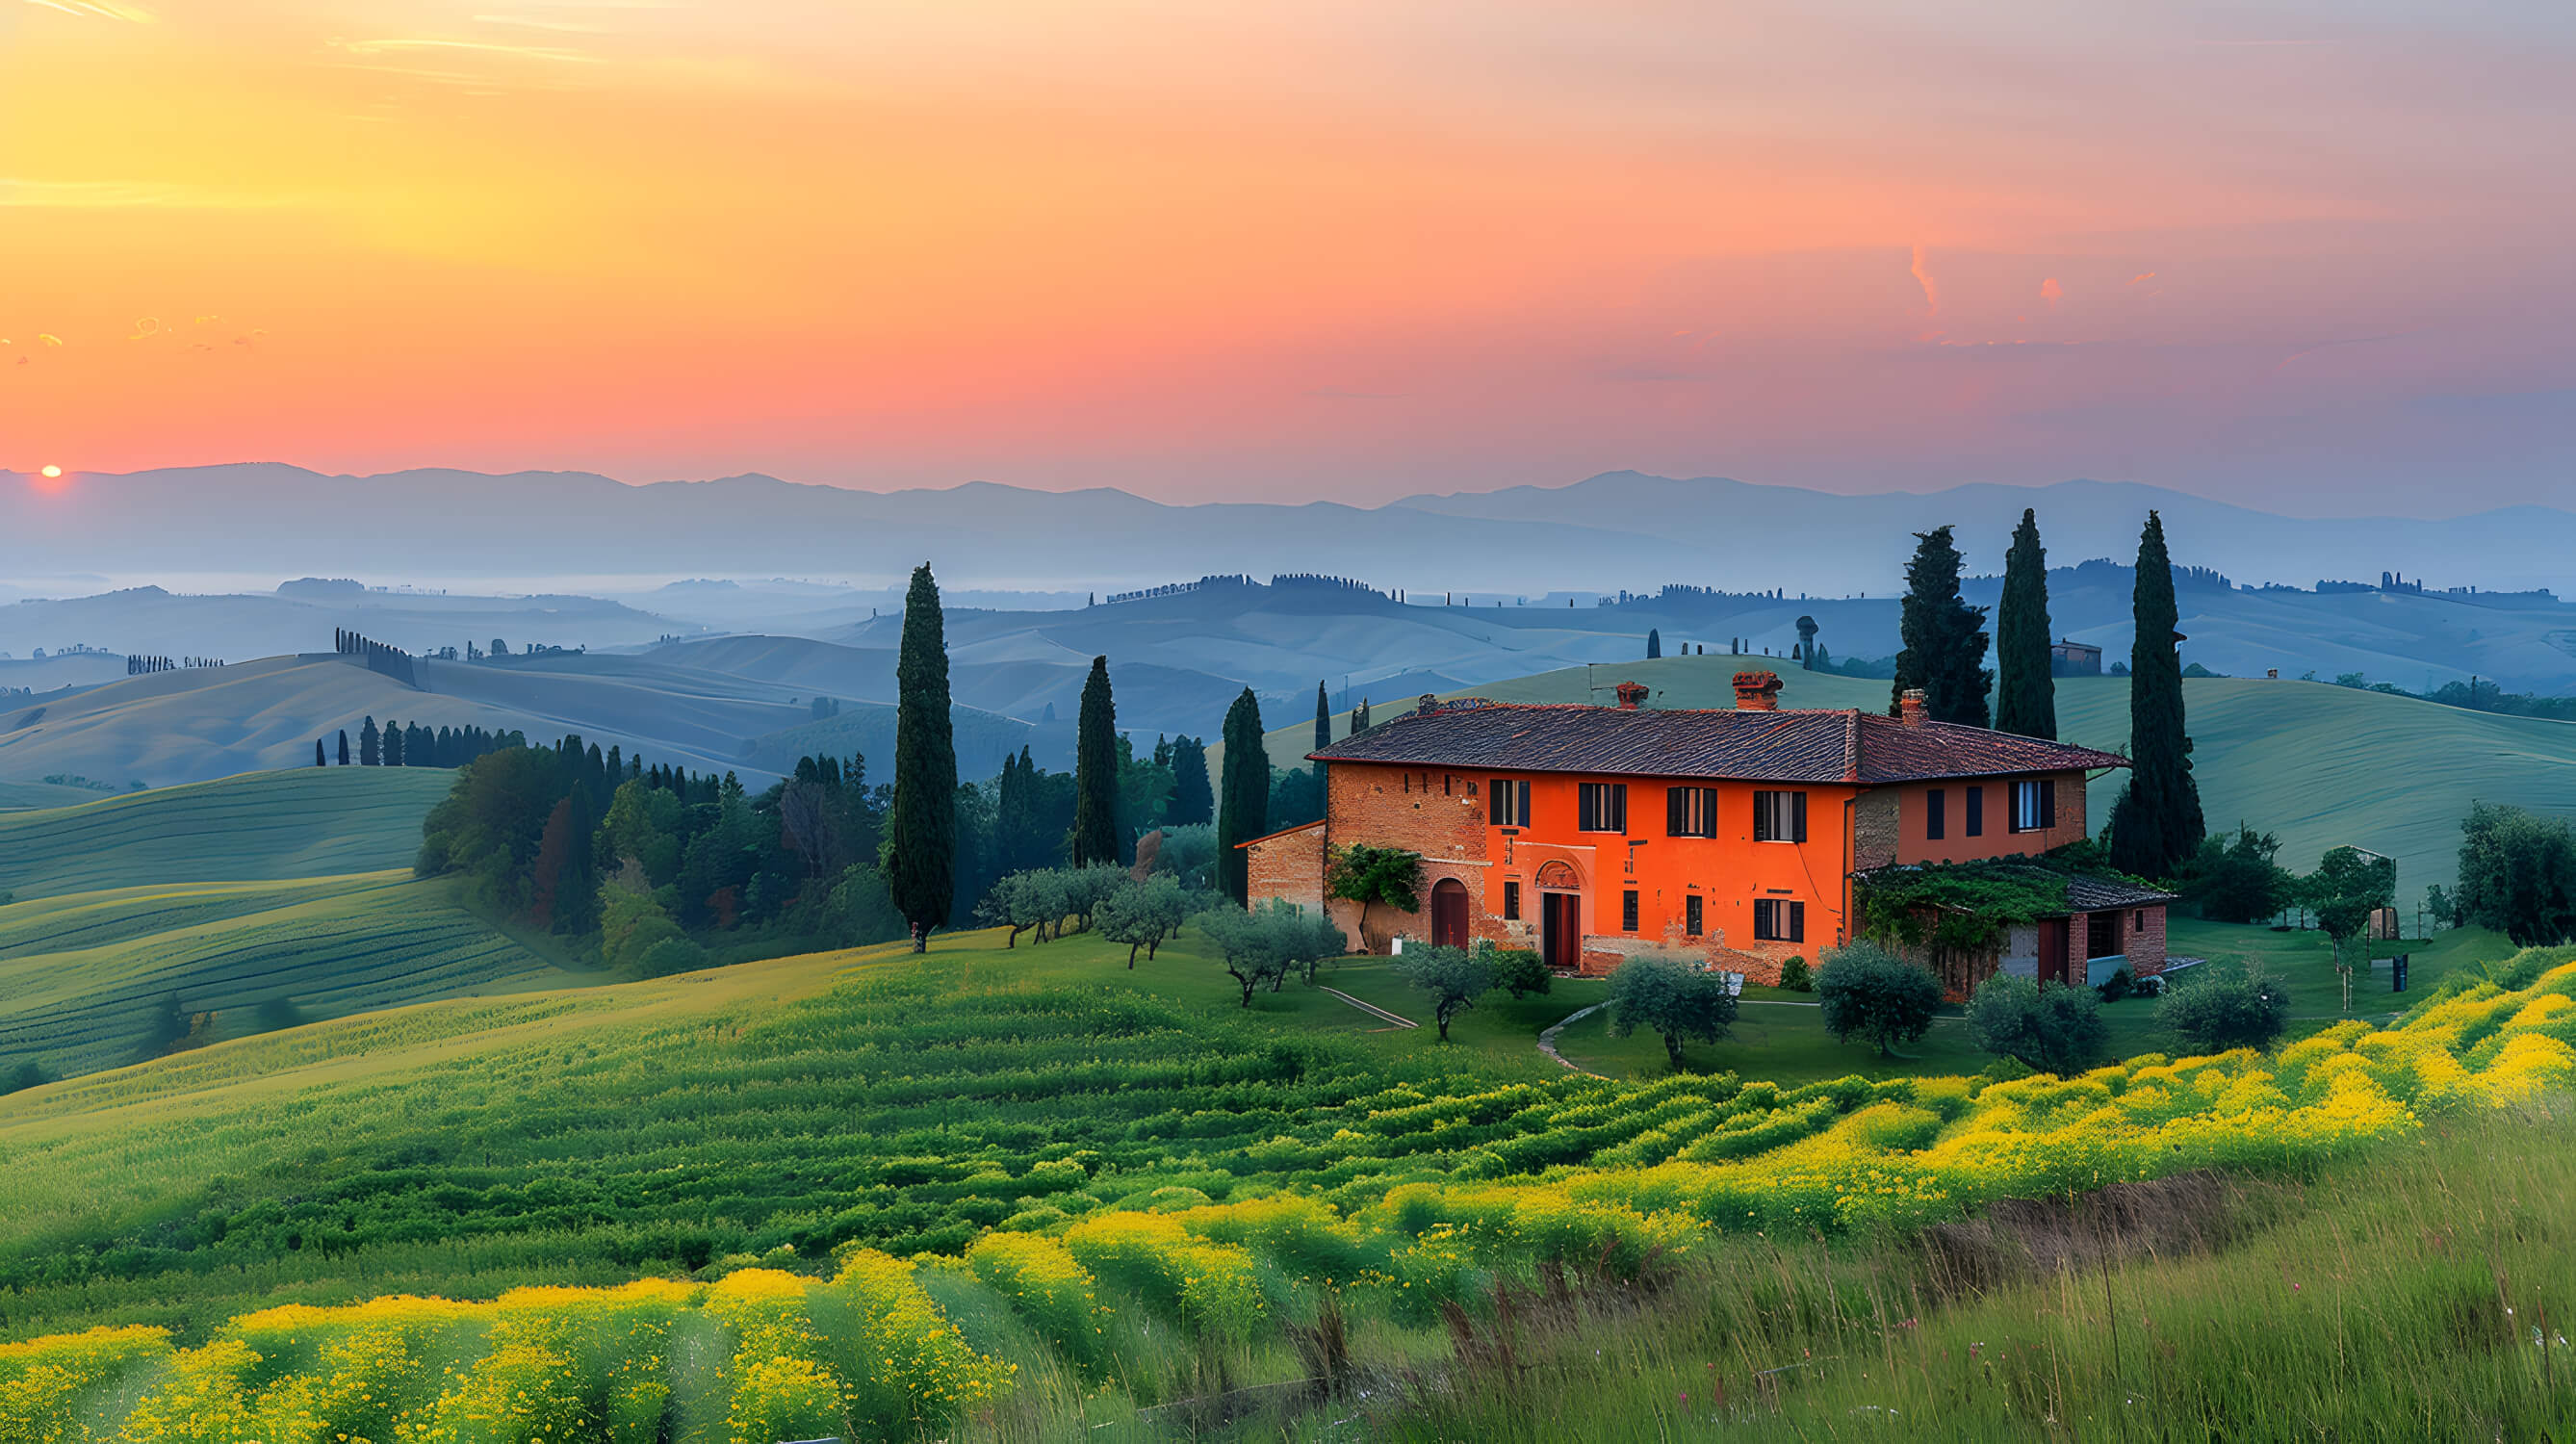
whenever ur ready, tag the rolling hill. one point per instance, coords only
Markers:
(259, 827)
(195, 724)
(83, 978)
(2319, 765)
(287, 886)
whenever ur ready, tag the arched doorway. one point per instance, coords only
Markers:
(1560, 905)
(1449, 913)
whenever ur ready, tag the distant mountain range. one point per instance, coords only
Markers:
(1619, 529)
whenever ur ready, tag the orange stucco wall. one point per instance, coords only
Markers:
(1446, 817)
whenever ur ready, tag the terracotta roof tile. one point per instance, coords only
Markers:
(1752, 746)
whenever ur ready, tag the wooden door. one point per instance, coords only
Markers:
(1449, 913)
(2053, 939)
(1561, 929)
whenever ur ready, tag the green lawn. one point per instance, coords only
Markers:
(2304, 961)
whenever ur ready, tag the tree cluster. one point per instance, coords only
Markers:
(142, 666)
(2517, 874)
(397, 744)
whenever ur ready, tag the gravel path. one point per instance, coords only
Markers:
(1547, 1040)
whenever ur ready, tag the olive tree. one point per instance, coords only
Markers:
(1674, 996)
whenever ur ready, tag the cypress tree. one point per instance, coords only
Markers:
(318, 759)
(2025, 693)
(1944, 637)
(1243, 806)
(2157, 822)
(1807, 643)
(393, 745)
(1193, 796)
(919, 854)
(1323, 721)
(370, 745)
(1095, 771)
(1654, 643)
(344, 746)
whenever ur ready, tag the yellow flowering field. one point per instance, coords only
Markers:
(1596, 1174)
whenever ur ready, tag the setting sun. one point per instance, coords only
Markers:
(51, 473)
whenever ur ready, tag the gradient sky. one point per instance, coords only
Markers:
(2310, 256)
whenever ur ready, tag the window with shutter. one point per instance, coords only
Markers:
(1976, 818)
(1511, 901)
(1779, 920)
(1510, 803)
(1691, 917)
(1935, 824)
(1628, 911)
(1779, 816)
(1690, 812)
(1604, 806)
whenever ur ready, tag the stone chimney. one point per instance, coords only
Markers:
(1631, 695)
(1909, 707)
(1757, 691)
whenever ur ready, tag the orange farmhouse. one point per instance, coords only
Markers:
(1593, 833)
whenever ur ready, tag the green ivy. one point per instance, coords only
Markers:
(1964, 906)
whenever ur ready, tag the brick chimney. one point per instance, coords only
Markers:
(1909, 707)
(1631, 694)
(1757, 691)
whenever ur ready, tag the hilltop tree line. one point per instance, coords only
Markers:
(399, 745)
(143, 666)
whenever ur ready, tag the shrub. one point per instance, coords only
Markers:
(2055, 1030)
(1672, 996)
(1867, 990)
(672, 955)
(2230, 1010)
(1519, 972)
(1795, 977)
(2120, 984)
(2236, 881)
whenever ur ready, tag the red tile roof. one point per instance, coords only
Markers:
(1735, 745)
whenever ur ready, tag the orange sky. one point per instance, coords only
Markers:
(1332, 248)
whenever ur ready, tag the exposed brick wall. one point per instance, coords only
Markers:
(1440, 815)
(1874, 829)
(1288, 865)
(2147, 944)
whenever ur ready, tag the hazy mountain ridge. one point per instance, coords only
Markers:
(1614, 529)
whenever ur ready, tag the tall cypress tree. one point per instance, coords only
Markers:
(1654, 643)
(1323, 722)
(1193, 798)
(2157, 822)
(1944, 637)
(2025, 693)
(1807, 643)
(919, 855)
(1243, 801)
(393, 745)
(318, 759)
(370, 745)
(1095, 771)
(344, 746)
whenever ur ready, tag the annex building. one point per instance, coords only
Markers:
(1590, 833)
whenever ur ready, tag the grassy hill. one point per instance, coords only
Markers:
(2318, 764)
(261, 826)
(83, 977)
(191, 725)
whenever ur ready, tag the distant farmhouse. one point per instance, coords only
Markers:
(1744, 836)
(2074, 659)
